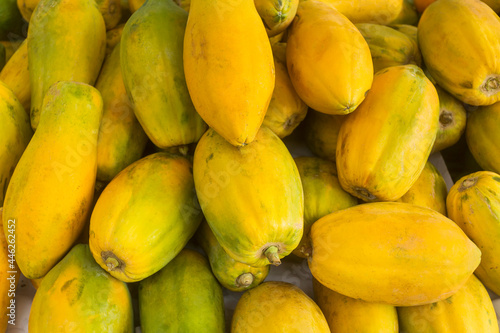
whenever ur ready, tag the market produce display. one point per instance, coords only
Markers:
(160, 158)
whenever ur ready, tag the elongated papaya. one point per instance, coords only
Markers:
(63, 149)
(182, 297)
(321, 47)
(346, 315)
(469, 310)
(276, 15)
(121, 138)
(234, 91)
(321, 132)
(474, 204)
(15, 134)
(286, 110)
(16, 76)
(383, 147)
(264, 222)
(151, 61)
(322, 195)
(158, 189)
(276, 306)
(78, 296)
(391, 252)
(233, 275)
(66, 42)
(460, 41)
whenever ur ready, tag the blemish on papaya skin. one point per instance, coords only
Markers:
(67, 284)
(466, 85)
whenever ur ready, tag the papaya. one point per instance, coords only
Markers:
(66, 42)
(3, 56)
(11, 46)
(234, 92)
(361, 252)
(321, 132)
(469, 310)
(407, 15)
(231, 274)
(465, 63)
(11, 21)
(16, 76)
(411, 32)
(382, 148)
(78, 296)
(452, 121)
(277, 39)
(113, 37)
(428, 191)
(346, 315)
(36, 283)
(9, 273)
(277, 306)
(26, 8)
(134, 5)
(158, 189)
(286, 110)
(184, 296)
(321, 46)
(474, 204)
(422, 4)
(483, 138)
(388, 46)
(121, 138)
(369, 11)
(63, 149)
(151, 62)
(276, 15)
(15, 134)
(111, 12)
(322, 195)
(184, 4)
(263, 223)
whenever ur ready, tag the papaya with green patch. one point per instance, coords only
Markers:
(276, 15)
(15, 74)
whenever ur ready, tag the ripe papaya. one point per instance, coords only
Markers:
(321, 132)
(369, 11)
(403, 107)
(286, 110)
(321, 46)
(121, 138)
(78, 296)
(232, 275)
(184, 296)
(111, 12)
(391, 252)
(276, 15)
(151, 61)
(157, 189)
(276, 306)
(63, 149)
(407, 15)
(134, 5)
(235, 89)
(474, 204)
(27, 7)
(465, 63)
(16, 76)
(66, 42)
(264, 222)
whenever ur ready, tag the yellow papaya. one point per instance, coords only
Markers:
(27, 7)
(347, 315)
(121, 138)
(474, 204)
(452, 121)
(11, 46)
(411, 32)
(469, 310)
(134, 5)
(460, 41)
(66, 42)
(63, 149)
(422, 4)
(286, 110)
(16, 76)
(391, 252)
(232, 275)
(483, 137)
(321, 132)
(322, 195)
(158, 189)
(234, 92)
(113, 37)
(264, 223)
(428, 191)
(151, 62)
(383, 146)
(321, 47)
(369, 11)
(111, 12)
(276, 15)
(15, 134)
(184, 4)
(407, 15)
(78, 296)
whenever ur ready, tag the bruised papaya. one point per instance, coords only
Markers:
(57, 170)
(66, 42)
(78, 296)
(321, 132)
(276, 14)
(264, 222)
(16, 76)
(151, 62)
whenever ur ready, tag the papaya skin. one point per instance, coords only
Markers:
(321, 132)
(68, 131)
(276, 15)
(369, 11)
(15, 75)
